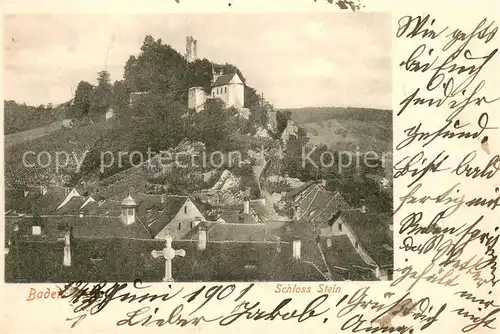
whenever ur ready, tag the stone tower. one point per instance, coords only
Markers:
(191, 49)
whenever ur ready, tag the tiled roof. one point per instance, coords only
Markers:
(317, 205)
(372, 234)
(102, 208)
(112, 227)
(223, 80)
(295, 191)
(236, 232)
(331, 209)
(262, 210)
(72, 207)
(344, 262)
(35, 201)
(155, 214)
(125, 260)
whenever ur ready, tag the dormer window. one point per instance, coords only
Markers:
(128, 210)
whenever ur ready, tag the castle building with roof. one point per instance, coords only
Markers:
(229, 88)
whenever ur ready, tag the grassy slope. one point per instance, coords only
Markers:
(347, 128)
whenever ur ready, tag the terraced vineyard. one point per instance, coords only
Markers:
(74, 142)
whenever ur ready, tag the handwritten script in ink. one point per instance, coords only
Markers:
(181, 308)
(451, 228)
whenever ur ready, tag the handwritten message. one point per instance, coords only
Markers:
(452, 228)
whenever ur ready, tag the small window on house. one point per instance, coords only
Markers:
(191, 225)
(179, 226)
(340, 226)
(225, 89)
(185, 209)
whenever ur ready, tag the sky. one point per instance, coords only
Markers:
(295, 60)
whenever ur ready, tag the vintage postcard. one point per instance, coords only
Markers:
(218, 167)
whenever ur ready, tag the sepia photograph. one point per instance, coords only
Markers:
(198, 147)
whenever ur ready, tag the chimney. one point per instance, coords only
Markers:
(202, 237)
(278, 245)
(67, 249)
(296, 213)
(328, 242)
(297, 243)
(246, 206)
(26, 193)
(363, 206)
(43, 190)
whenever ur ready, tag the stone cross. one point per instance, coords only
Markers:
(168, 253)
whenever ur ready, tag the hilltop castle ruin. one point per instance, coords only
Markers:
(227, 87)
(191, 49)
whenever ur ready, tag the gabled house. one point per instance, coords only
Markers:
(311, 203)
(229, 88)
(367, 234)
(257, 212)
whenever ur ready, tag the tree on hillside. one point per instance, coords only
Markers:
(214, 126)
(82, 101)
(102, 95)
(282, 118)
(131, 76)
(292, 161)
(158, 69)
(120, 96)
(252, 98)
(199, 74)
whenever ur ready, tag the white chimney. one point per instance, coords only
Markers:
(363, 208)
(328, 242)
(297, 213)
(26, 193)
(67, 249)
(278, 244)
(246, 207)
(297, 243)
(202, 238)
(43, 190)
